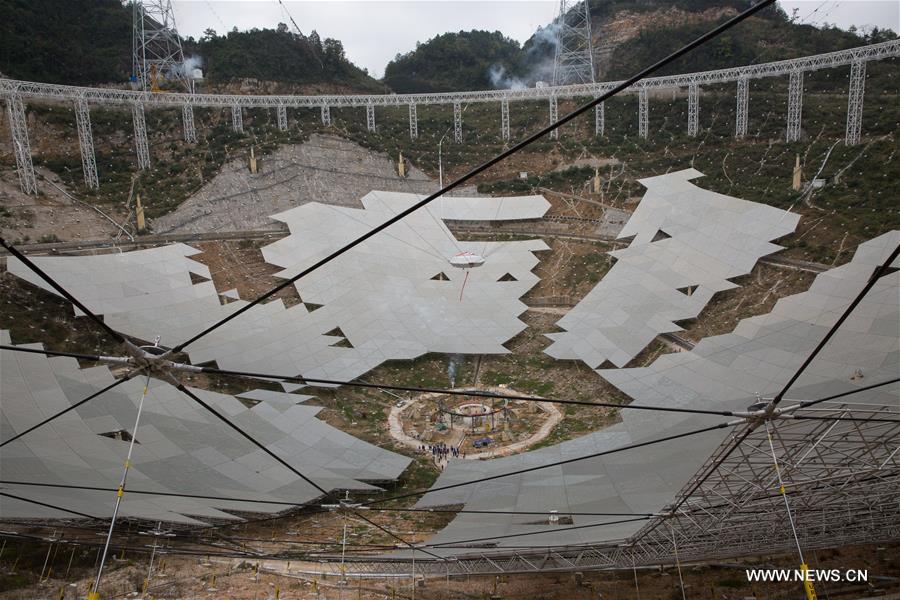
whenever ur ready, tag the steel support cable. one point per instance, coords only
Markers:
(781, 491)
(120, 491)
(302, 505)
(851, 419)
(59, 508)
(807, 403)
(91, 357)
(247, 436)
(65, 294)
(72, 407)
(456, 485)
(884, 269)
(472, 393)
(396, 537)
(553, 464)
(487, 165)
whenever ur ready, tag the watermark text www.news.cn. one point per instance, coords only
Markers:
(800, 575)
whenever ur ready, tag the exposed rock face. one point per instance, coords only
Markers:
(325, 169)
(626, 25)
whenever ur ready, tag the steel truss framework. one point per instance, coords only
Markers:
(643, 118)
(157, 52)
(693, 110)
(413, 122)
(742, 108)
(554, 115)
(573, 61)
(795, 106)
(47, 91)
(86, 143)
(237, 119)
(841, 479)
(187, 120)
(141, 147)
(18, 131)
(855, 57)
(855, 102)
(600, 119)
(282, 117)
(370, 118)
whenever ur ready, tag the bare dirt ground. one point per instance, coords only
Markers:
(202, 578)
(51, 216)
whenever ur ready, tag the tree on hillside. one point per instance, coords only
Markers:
(454, 61)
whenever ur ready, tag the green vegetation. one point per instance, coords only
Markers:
(76, 42)
(277, 55)
(84, 42)
(765, 38)
(454, 61)
(465, 60)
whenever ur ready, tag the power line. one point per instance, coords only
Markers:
(485, 166)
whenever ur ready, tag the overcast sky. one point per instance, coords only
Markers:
(374, 31)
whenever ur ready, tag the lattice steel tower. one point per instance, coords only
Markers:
(157, 56)
(574, 61)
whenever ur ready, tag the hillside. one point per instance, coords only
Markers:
(467, 60)
(627, 35)
(87, 42)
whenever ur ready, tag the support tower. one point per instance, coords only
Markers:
(157, 56)
(574, 60)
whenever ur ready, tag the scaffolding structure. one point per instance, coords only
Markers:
(693, 110)
(187, 120)
(731, 507)
(413, 122)
(742, 108)
(643, 117)
(599, 119)
(856, 58)
(86, 144)
(157, 56)
(370, 118)
(141, 146)
(281, 113)
(18, 131)
(554, 115)
(237, 119)
(855, 102)
(795, 106)
(574, 58)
